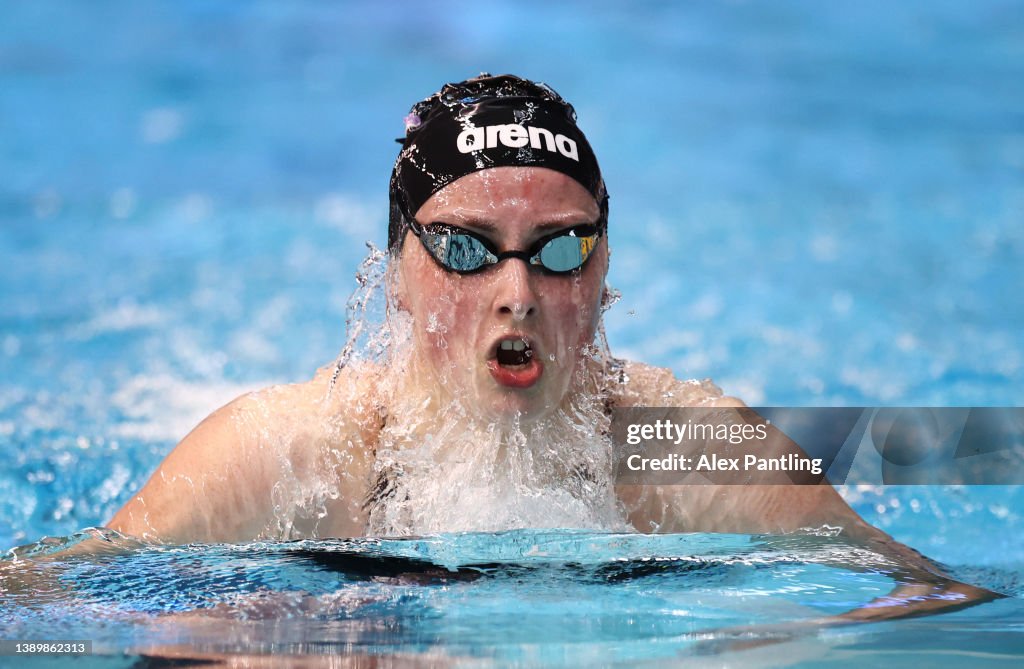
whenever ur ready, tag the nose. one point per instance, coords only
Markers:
(514, 294)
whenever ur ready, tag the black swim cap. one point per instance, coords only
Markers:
(482, 123)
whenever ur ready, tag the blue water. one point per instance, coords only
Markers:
(814, 204)
(526, 597)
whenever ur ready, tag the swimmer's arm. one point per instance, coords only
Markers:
(782, 509)
(923, 586)
(928, 593)
(911, 600)
(215, 486)
(722, 501)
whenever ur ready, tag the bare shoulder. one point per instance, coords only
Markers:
(218, 483)
(723, 508)
(352, 393)
(216, 457)
(646, 385)
(330, 398)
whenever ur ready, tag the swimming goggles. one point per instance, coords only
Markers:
(464, 251)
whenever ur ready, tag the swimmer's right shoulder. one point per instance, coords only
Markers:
(355, 392)
(217, 483)
(212, 486)
(350, 394)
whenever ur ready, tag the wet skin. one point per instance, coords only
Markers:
(461, 318)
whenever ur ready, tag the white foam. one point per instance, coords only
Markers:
(126, 315)
(161, 407)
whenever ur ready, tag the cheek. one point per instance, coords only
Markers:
(573, 308)
(438, 304)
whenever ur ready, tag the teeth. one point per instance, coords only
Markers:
(514, 352)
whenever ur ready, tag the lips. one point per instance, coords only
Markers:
(514, 362)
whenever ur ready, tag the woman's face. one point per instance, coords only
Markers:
(460, 321)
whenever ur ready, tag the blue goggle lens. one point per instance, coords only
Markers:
(463, 251)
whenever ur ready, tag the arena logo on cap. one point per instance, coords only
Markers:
(515, 136)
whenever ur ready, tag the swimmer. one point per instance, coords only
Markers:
(488, 408)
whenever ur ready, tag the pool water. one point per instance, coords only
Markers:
(812, 204)
(559, 598)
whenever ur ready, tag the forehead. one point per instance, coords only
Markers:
(529, 195)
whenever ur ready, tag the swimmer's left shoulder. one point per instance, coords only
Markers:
(727, 401)
(647, 385)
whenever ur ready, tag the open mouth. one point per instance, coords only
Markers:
(515, 364)
(512, 352)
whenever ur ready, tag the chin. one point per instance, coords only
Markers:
(507, 406)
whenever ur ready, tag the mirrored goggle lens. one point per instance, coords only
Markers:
(461, 253)
(565, 253)
(466, 253)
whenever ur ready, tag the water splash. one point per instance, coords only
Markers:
(441, 466)
(360, 310)
(454, 472)
(97, 540)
